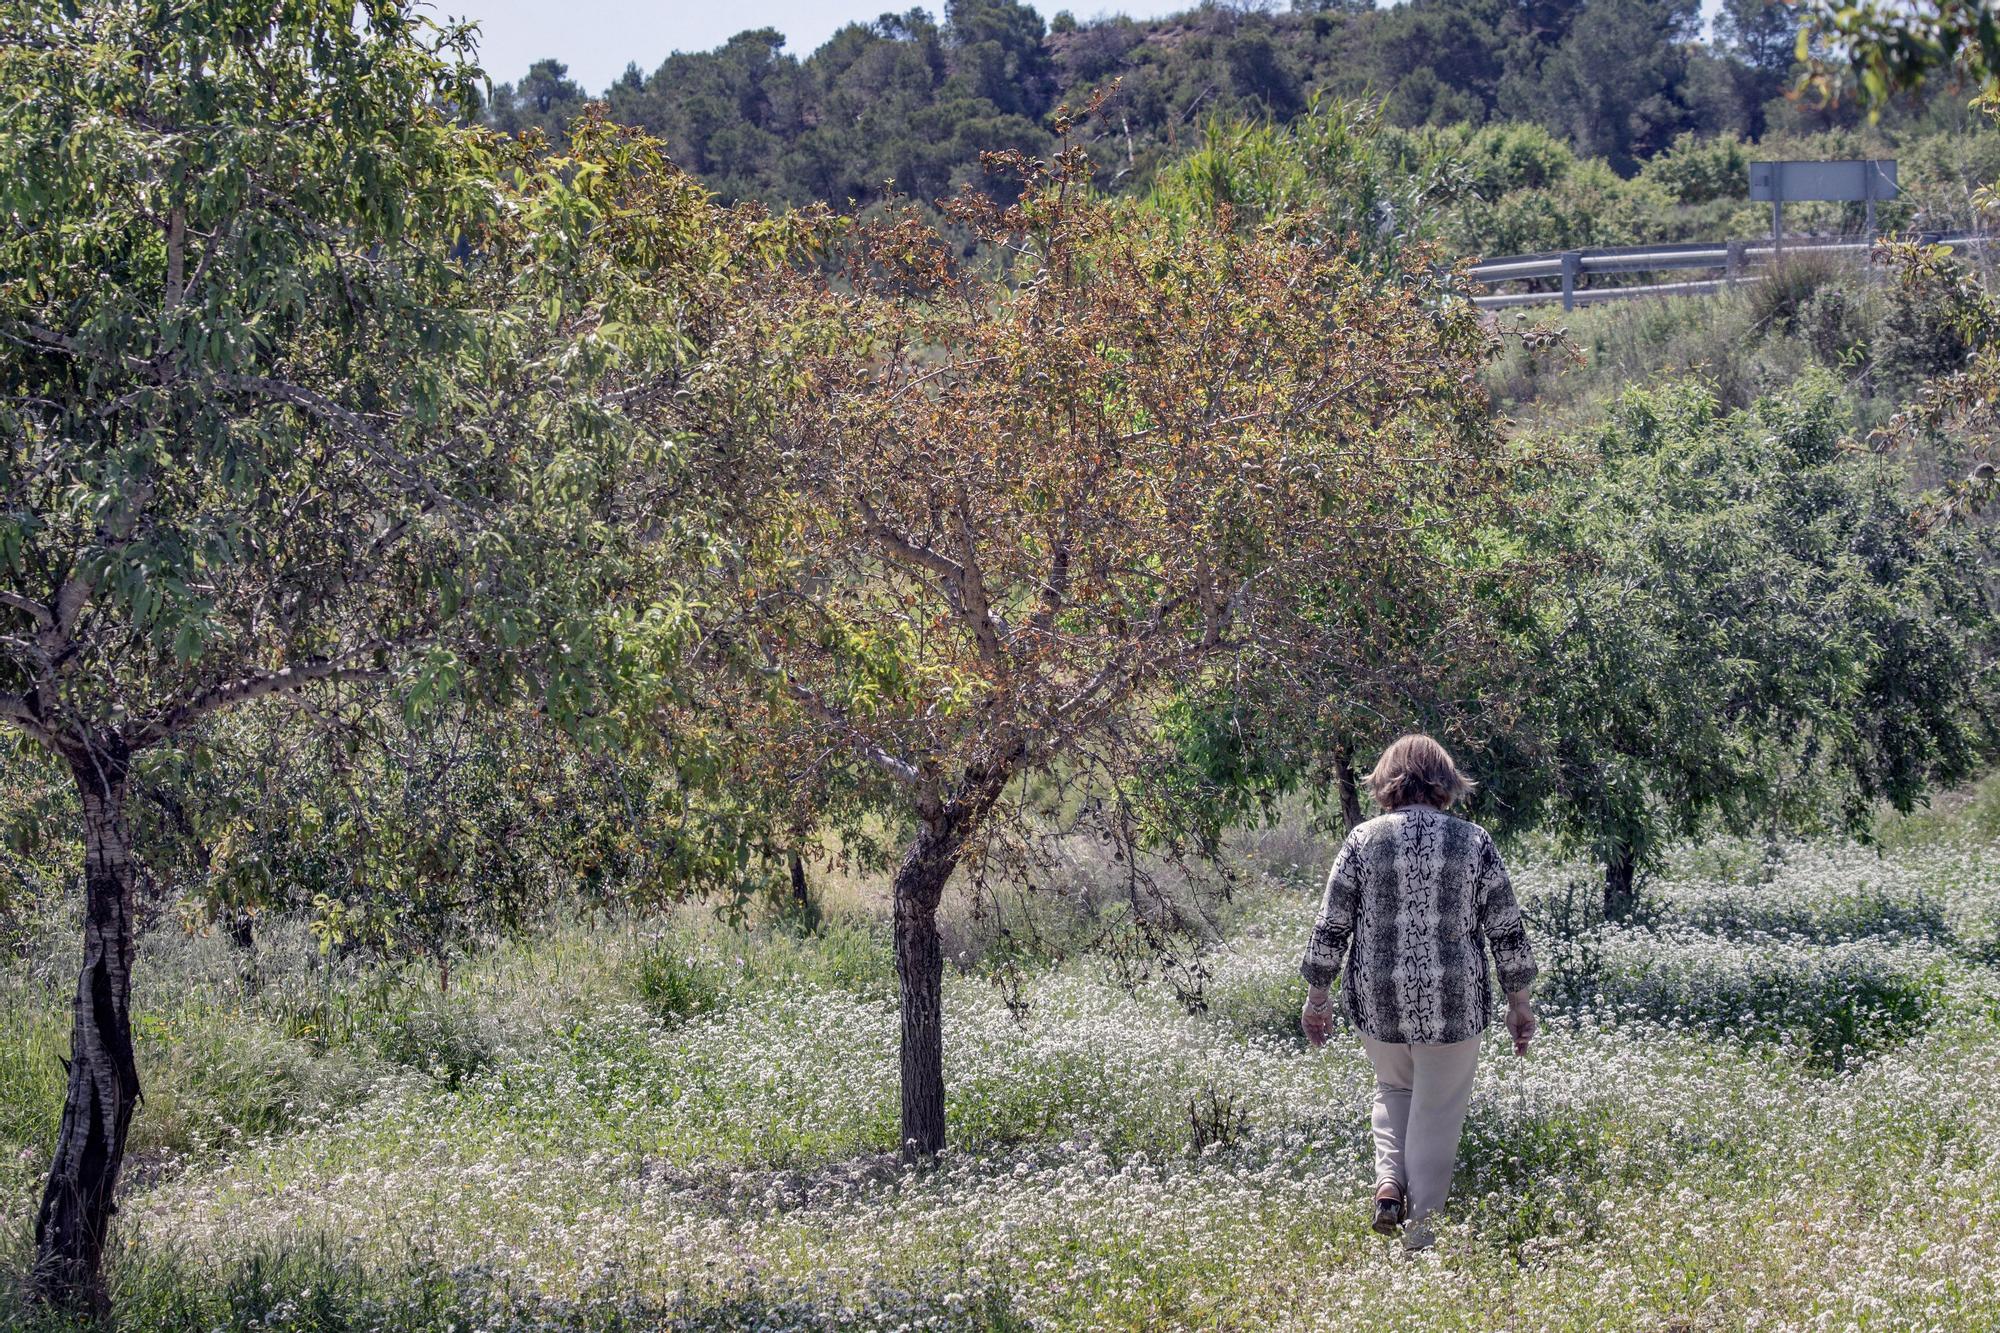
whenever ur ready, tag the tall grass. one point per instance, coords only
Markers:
(1748, 343)
(1748, 1111)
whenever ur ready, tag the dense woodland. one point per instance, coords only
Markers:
(1544, 125)
(424, 540)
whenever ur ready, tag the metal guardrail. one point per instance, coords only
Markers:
(1736, 259)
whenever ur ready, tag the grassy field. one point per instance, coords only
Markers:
(1775, 1103)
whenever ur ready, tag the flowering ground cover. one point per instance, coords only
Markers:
(1771, 1102)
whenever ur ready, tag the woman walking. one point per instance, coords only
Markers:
(1411, 897)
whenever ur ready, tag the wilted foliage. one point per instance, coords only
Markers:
(1014, 501)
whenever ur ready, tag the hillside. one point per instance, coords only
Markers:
(915, 97)
(1549, 125)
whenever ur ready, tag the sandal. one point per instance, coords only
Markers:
(1389, 1212)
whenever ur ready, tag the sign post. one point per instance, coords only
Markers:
(1864, 180)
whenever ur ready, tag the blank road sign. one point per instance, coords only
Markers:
(1873, 178)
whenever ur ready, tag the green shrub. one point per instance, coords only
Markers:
(677, 983)
(1833, 1004)
(211, 1077)
(1920, 335)
(1514, 155)
(1834, 324)
(1699, 170)
(852, 956)
(1788, 285)
(1970, 814)
(208, 1081)
(1715, 338)
(307, 1286)
(1256, 995)
(437, 1038)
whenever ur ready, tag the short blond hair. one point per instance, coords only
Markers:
(1417, 770)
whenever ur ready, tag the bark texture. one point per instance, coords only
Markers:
(78, 1203)
(1350, 787)
(1620, 871)
(801, 892)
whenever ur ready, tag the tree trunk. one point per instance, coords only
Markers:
(1619, 895)
(801, 894)
(1350, 786)
(920, 881)
(103, 1076)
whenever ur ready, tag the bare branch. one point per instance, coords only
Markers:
(41, 614)
(176, 257)
(319, 671)
(898, 768)
(342, 418)
(976, 603)
(70, 601)
(18, 712)
(50, 338)
(964, 585)
(908, 549)
(1055, 588)
(317, 404)
(901, 769)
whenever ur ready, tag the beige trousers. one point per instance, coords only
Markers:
(1420, 1096)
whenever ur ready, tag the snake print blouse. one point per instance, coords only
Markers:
(1410, 898)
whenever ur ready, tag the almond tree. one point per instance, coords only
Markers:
(1351, 678)
(1754, 626)
(1019, 499)
(303, 383)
